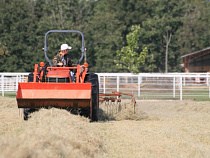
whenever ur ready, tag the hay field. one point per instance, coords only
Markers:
(158, 129)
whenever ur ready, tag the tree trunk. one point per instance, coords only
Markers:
(168, 40)
(166, 59)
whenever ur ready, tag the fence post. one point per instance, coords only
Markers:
(180, 87)
(139, 86)
(2, 85)
(104, 85)
(174, 87)
(118, 84)
(209, 91)
(16, 82)
(99, 82)
(99, 79)
(207, 82)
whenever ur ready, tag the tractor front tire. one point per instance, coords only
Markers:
(25, 113)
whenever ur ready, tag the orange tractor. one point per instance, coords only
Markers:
(58, 87)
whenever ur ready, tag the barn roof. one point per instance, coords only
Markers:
(196, 52)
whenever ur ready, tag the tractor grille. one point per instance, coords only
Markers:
(57, 80)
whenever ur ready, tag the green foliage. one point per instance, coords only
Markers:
(168, 28)
(3, 49)
(16, 26)
(159, 33)
(129, 59)
(194, 35)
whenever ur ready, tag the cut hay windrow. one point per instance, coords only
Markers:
(157, 129)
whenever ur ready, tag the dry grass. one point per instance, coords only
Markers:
(6, 102)
(48, 133)
(157, 129)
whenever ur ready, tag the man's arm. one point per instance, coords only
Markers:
(57, 60)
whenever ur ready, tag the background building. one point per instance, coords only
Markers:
(197, 61)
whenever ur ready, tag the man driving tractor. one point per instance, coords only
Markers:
(62, 59)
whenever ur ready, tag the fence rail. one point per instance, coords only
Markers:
(144, 86)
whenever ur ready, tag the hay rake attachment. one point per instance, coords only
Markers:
(113, 102)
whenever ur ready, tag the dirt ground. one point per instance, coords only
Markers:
(158, 129)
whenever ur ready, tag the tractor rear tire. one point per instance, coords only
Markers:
(93, 79)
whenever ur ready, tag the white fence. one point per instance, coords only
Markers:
(143, 86)
(9, 81)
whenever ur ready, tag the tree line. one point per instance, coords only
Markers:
(167, 29)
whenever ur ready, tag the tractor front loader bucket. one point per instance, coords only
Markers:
(60, 95)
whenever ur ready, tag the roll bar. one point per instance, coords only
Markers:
(64, 31)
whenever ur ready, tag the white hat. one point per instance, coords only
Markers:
(65, 46)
